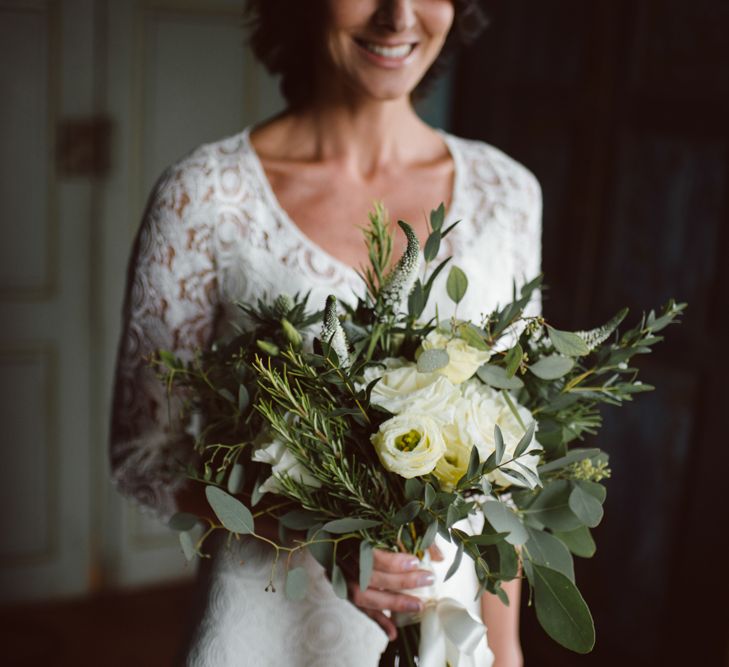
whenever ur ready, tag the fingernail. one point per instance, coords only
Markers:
(411, 564)
(425, 579)
(412, 605)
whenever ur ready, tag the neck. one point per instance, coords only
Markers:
(364, 135)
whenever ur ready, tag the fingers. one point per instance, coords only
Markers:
(384, 622)
(377, 600)
(394, 563)
(398, 582)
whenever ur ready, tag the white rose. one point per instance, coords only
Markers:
(273, 451)
(464, 360)
(476, 414)
(409, 444)
(403, 389)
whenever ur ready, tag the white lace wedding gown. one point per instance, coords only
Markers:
(214, 234)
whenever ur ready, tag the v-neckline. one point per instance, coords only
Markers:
(273, 201)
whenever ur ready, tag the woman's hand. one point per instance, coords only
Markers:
(391, 574)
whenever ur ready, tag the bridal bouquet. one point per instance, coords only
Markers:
(368, 426)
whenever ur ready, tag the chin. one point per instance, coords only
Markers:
(385, 91)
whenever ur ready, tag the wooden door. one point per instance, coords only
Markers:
(46, 79)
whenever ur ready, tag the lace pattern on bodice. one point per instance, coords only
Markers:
(214, 234)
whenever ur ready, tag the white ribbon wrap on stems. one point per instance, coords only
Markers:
(451, 630)
(449, 635)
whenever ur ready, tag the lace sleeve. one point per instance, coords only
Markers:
(170, 303)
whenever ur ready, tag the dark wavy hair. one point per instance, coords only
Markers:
(283, 35)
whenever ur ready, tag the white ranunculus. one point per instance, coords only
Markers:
(273, 451)
(464, 360)
(476, 414)
(403, 389)
(409, 444)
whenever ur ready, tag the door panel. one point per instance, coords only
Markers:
(44, 307)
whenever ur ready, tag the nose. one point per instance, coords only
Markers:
(395, 15)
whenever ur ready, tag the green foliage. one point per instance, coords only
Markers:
(561, 610)
(297, 583)
(457, 284)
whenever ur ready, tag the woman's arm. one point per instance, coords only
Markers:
(170, 304)
(502, 623)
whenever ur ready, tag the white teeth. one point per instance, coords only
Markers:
(389, 51)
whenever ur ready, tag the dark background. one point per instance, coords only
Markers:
(621, 109)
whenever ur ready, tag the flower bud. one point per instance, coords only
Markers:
(292, 333)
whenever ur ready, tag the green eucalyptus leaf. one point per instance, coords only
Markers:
(321, 549)
(525, 441)
(545, 549)
(183, 521)
(429, 495)
(235, 479)
(451, 515)
(366, 564)
(226, 395)
(472, 336)
(501, 594)
(508, 561)
(416, 300)
(256, 494)
(297, 583)
(407, 513)
(430, 533)
(432, 360)
(552, 367)
(567, 343)
(299, 519)
(487, 539)
(562, 611)
(413, 488)
(551, 507)
(595, 489)
(585, 507)
(498, 443)
(349, 525)
(188, 547)
(503, 520)
(579, 541)
(456, 562)
(457, 284)
(437, 217)
(432, 245)
(497, 377)
(339, 583)
(231, 512)
(474, 462)
(513, 359)
(244, 398)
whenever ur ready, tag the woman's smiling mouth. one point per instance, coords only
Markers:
(386, 54)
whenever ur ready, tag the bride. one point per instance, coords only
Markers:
(277, 208)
